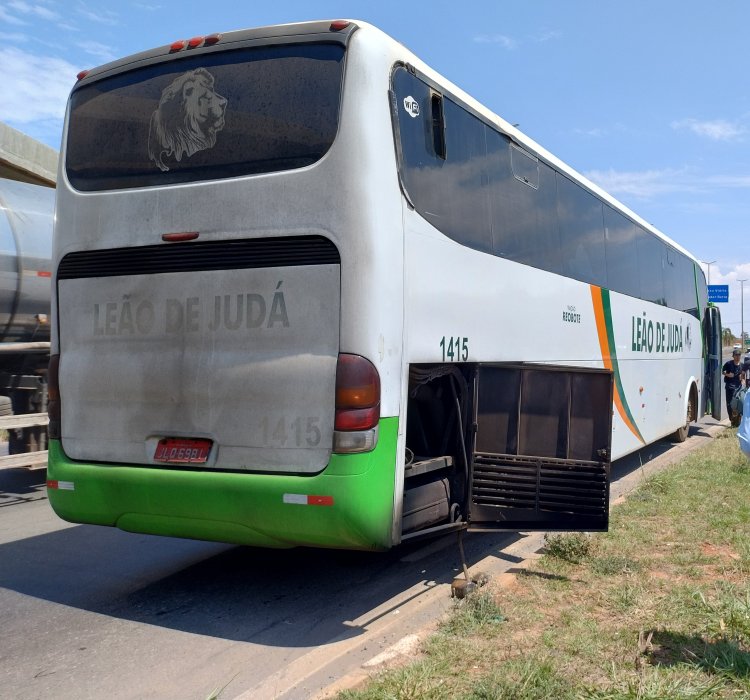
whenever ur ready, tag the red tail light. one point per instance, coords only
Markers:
(357, 393)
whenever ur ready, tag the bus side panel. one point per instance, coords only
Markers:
(501, 311)
(349, 505)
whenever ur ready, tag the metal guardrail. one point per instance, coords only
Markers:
(14, 348)
(25, 420)
(25, 459)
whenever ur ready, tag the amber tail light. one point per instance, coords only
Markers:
(357, 393)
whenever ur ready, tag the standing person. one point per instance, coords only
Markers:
(732, 371)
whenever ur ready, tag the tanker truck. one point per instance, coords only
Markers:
(26, 219)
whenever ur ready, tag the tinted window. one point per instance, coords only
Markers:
(525, 166)
(651, 254)
(688, 297)
(462, 187)
(206, 116)
(702, 288)
(524, 218)
(476, 186)
(679, 284)
(581, 223)
(449, 192)
(622, 254)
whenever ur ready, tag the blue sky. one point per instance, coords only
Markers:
(649, 99)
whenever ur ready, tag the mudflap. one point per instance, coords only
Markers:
(541, 448)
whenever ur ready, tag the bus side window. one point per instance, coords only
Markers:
(622, 254)
(525, 166)
(443, 151)
(651, 260)
(581, 221)
(524, 217)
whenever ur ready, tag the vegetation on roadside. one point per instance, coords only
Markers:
(658, 608)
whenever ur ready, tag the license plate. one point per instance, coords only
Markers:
(182, 450)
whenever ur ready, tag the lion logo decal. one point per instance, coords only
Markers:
(189, 115)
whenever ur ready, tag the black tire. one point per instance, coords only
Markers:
(6, 406)
(680, 435)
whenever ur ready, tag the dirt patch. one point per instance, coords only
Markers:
(721, 551)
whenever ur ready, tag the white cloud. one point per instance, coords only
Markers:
(596, 132)
(716, 130)
(730, 181)
(6, 16)
(100, 51)
(651, 183)
(505, 41)
(16, 37)
(98, 14)
(36, 10)
(547, 35)
(34, 87)
(644, 184)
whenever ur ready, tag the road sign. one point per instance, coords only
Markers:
(718, 292)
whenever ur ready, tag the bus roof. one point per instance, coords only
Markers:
(523, 139)
(341, 31)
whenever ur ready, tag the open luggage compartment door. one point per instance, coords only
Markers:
(541, 454)
(712, 392)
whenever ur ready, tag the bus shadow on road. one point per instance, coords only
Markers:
(291, 598)
(22, 486)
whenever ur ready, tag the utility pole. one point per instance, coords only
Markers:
(742, 311)
(708, 269)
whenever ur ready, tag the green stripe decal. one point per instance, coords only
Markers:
(615, 364)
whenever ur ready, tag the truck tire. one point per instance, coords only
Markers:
(6, 406)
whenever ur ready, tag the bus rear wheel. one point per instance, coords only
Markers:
(680, 435)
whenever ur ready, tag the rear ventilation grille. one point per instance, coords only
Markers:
(539, 485)
(205, 255)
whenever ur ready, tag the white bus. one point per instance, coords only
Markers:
(308, 292)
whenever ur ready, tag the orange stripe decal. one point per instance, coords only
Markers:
(601, 327)
(609, 358)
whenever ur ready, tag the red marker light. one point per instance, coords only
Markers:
(83, 74)
(181, 236)
(177, 46)
(195, 42)
(338, 25)
(212, 39)
(320, 500)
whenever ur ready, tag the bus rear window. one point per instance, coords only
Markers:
(205, 117)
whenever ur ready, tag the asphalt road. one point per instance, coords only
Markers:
(92, 612)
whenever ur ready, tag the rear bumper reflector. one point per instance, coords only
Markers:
(61, 485)
(303, 499)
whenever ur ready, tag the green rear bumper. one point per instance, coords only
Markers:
(240, 508)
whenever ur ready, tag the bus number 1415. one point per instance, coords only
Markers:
(455, 349)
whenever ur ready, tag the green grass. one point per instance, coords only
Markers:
(656, 608)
